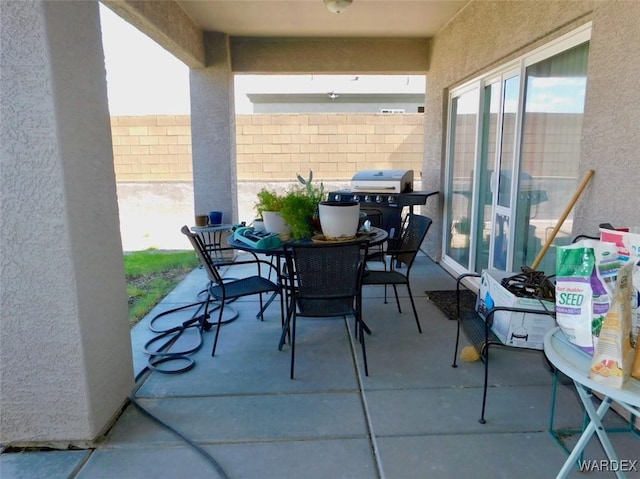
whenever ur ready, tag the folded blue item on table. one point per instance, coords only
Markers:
(257, 239)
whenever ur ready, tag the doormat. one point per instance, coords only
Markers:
(447, 303)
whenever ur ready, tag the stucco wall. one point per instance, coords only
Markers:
(610, 135)
(65, 347)
(213, 128)
(329, 55)
(487, 34)
(168, 24)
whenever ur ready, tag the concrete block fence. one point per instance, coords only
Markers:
(272, 147)
(152, 158)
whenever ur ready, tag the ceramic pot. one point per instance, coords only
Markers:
(339, 219)
(274, 223)
(258, 225)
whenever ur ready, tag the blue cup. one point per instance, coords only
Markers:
(215, 218)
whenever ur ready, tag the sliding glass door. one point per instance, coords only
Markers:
(550, 153)
(501, 244)
(462, 157)
(488, 147)
(513, 151)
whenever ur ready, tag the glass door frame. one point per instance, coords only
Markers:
(447, 213)
(559, 45)
(513, 163)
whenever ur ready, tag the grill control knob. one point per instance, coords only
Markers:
(338, 198)
(392, 199)
(367, 199)
(379, 199)
(356, 198)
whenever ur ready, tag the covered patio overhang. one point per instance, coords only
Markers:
(66, 364)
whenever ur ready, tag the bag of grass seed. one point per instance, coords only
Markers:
(585, 277)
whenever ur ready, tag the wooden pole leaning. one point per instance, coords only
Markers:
(574, 199)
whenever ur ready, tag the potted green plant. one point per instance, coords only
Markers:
(300, 207)
(268, 201)
(297, 208)
(269, 208)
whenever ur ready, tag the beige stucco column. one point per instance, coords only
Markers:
(65, 348)
(213, 131)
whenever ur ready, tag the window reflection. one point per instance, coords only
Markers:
(551, 134)
(462, 157)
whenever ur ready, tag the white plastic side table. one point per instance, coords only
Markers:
(575, 364)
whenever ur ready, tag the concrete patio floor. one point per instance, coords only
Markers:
(414, 416)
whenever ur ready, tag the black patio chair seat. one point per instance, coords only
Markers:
(243, 287)
(373, 277)
(224, 290)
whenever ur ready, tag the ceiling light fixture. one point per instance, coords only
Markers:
(337, 6)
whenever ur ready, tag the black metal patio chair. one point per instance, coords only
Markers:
(223, 290)
(325, 280)
(402, 254)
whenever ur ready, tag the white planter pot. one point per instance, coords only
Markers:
(339, 219)
(274, 223)
(258, 225)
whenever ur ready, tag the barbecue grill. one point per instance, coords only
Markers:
(383, 195)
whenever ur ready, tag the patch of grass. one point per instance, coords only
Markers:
(151, 275)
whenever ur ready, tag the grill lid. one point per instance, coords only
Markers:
(383, 181)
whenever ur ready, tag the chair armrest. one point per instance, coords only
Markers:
(459, 280)
(377, 255)
(254, 260)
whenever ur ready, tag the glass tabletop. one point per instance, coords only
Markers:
(374, 237)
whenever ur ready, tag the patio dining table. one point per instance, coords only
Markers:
(375, 236)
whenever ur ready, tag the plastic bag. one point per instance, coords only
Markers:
(613, 356)
(635, 304)
(635, 368)
(585, 276)
(635, 319)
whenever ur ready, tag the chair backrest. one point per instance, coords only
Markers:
(199, 247)
(411, 238)
(328, 277)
